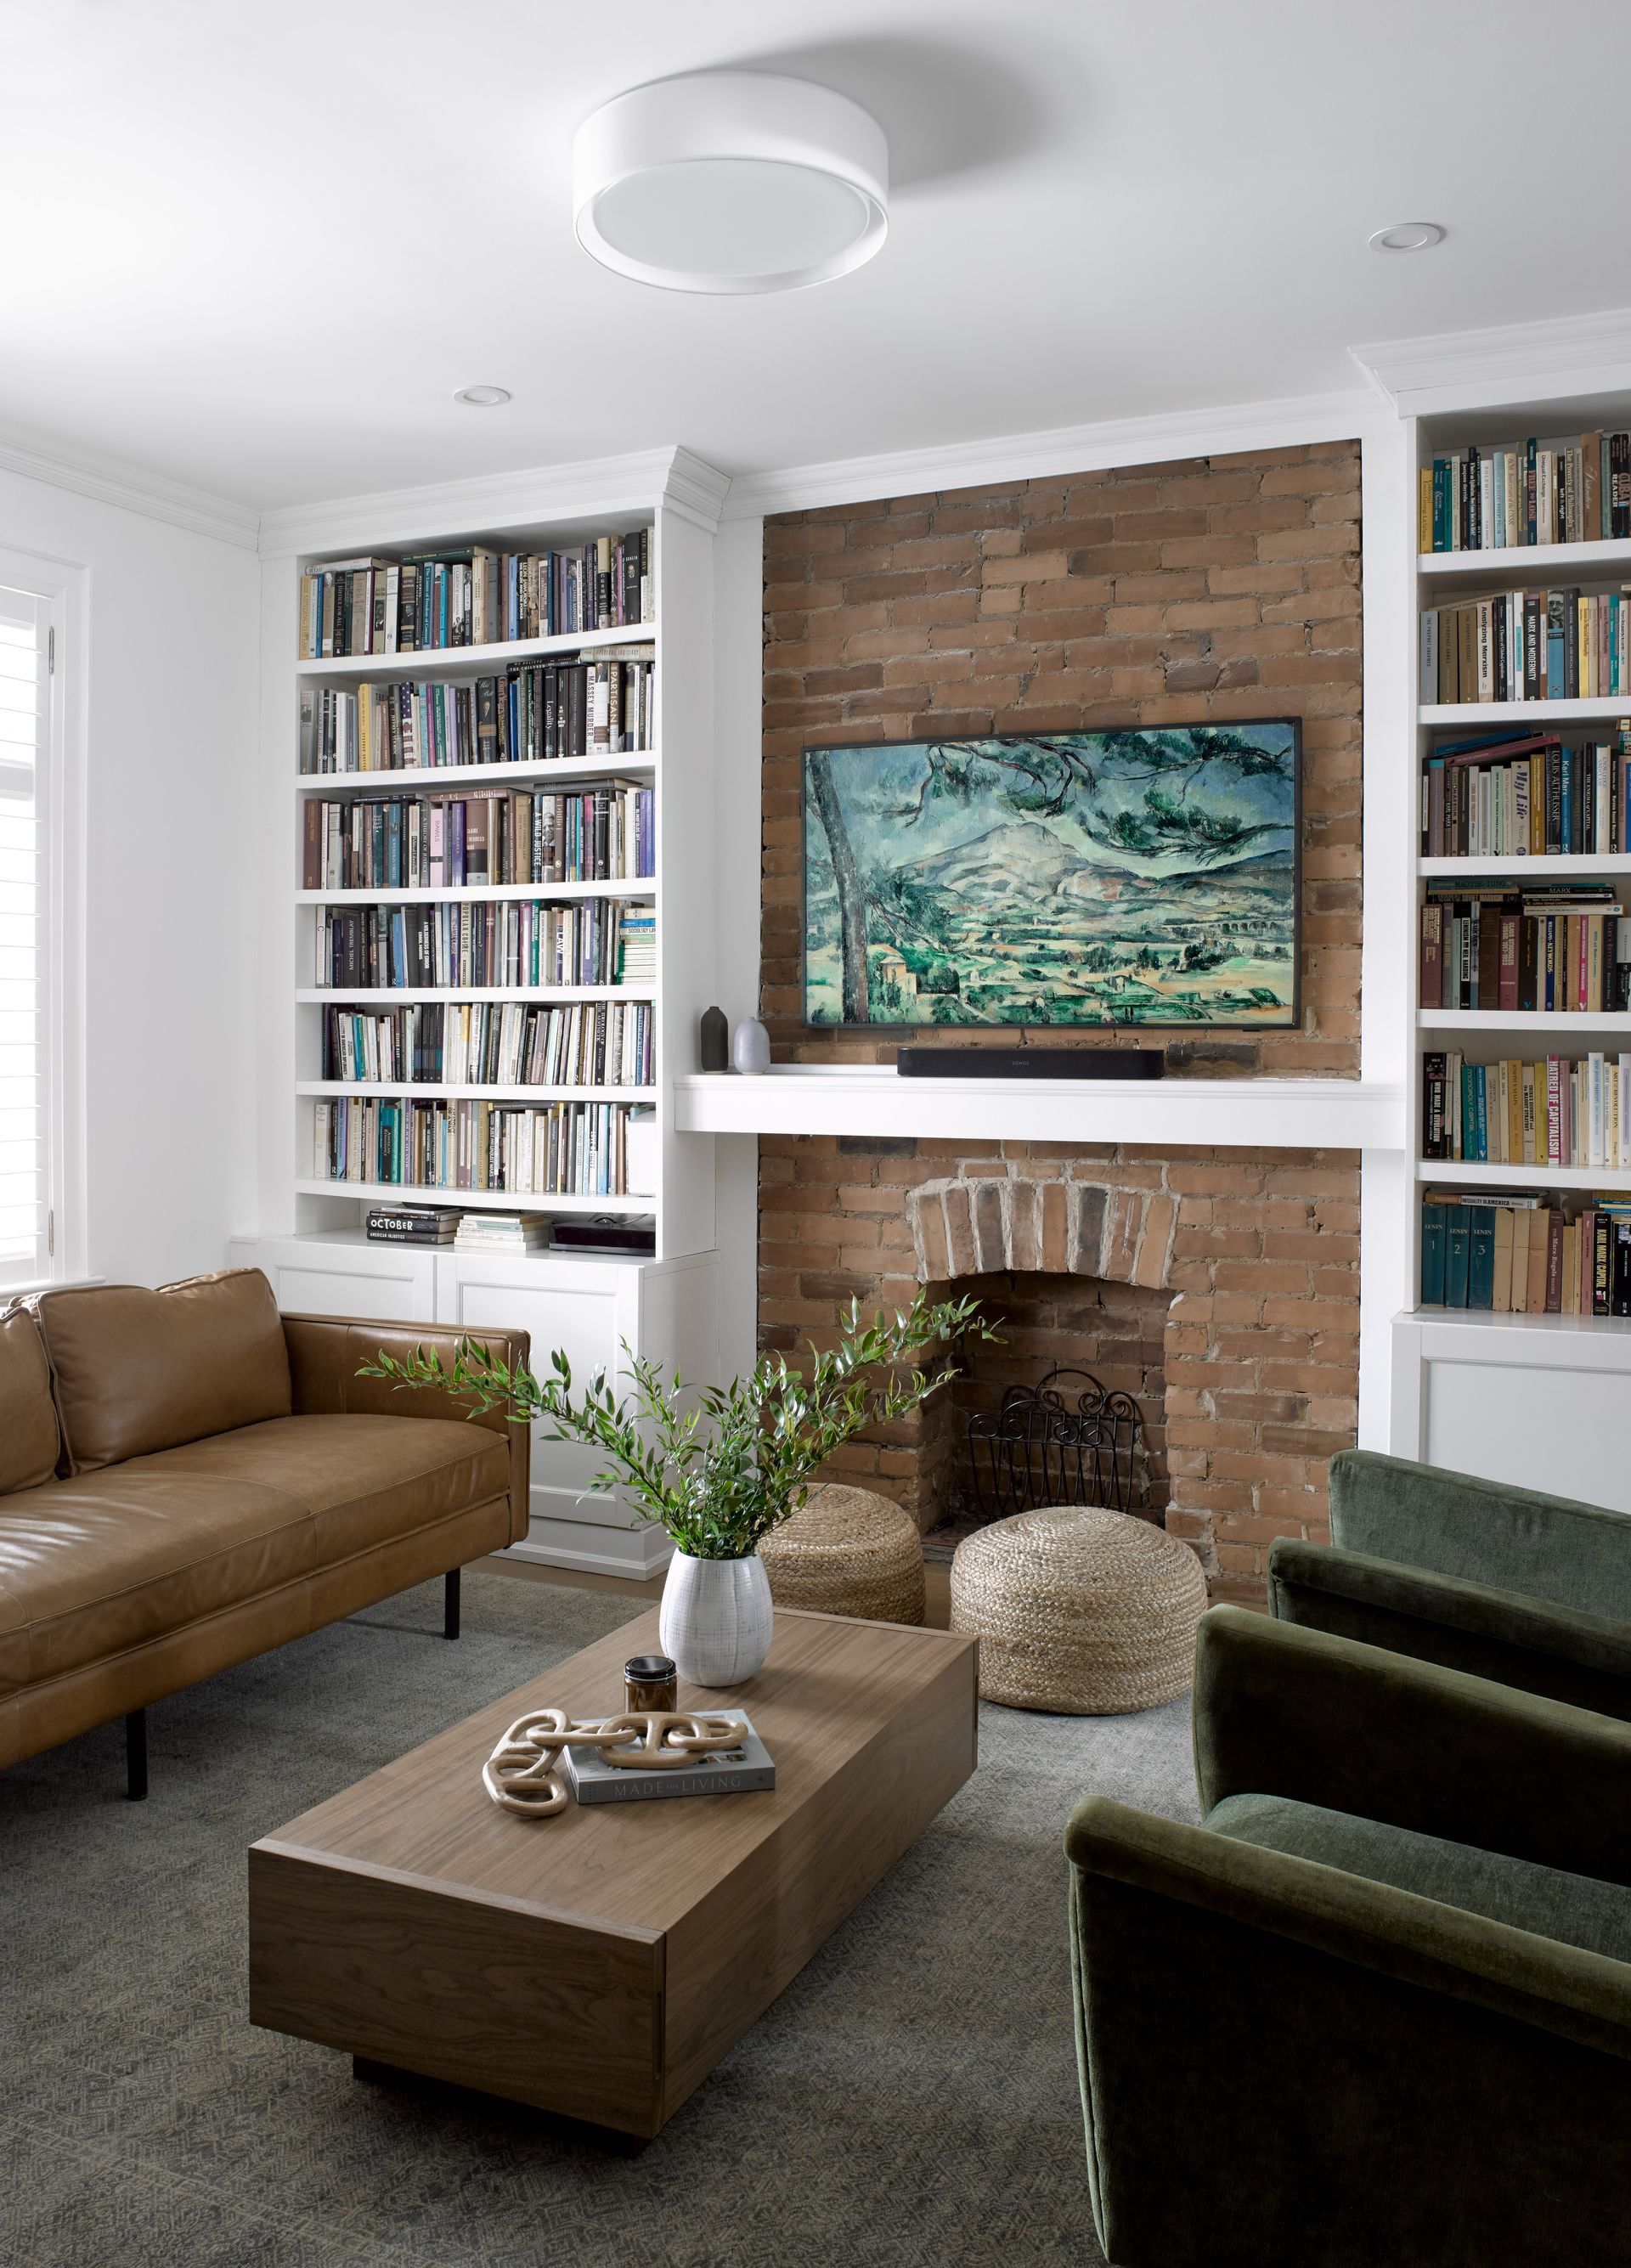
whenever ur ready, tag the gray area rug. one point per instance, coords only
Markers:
(911, 2099)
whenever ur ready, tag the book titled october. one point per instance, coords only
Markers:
(727, 1772)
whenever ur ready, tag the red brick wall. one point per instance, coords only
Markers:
(1208, 590)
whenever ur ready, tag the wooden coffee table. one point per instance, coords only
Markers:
(600, 1963)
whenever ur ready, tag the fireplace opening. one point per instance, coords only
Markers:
(1049, 1324)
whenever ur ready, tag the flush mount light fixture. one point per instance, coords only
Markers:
(1407, 236)
(482, 397)
(731, 181)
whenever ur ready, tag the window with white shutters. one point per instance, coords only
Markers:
(27, 1074)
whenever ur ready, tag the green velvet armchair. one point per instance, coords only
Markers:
(1533, 1591)
(1378, 2008)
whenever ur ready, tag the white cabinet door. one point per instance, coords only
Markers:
(387, 1283)
(586, 1309)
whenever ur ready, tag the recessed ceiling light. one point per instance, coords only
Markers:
(731, 181)
(1407, 236)
(482, 397)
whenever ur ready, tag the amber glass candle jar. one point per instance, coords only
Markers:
(653, 1681)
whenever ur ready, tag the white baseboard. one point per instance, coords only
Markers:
(634, 1554)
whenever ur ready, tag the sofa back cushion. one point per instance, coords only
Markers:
(134, 1370)
(29, 1437)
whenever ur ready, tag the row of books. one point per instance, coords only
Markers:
(472, 596)
(1558, 1111)
(1509, 1253)
(523, 941)
(603, 705)
(440, 842)
(1522, 492)
(1561, 947)
(493, 1043)
(513, 1232)
(559, 1149)
(1527, 645)
(1526, 795)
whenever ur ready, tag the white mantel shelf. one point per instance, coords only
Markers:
(1278, 1114)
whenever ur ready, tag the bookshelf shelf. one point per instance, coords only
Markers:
(421, 1091)
(1450, 1173)
(465, 1200)
(1541, 714)
(645, 887)
(1522, 1020)
(1528, 561)
(1613, 1333)
(1553, 866)
(432, 778)
(471, 661)
(410, 995)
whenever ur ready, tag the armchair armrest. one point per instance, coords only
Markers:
(1374, 2043)
(1568, 1655)
(326, 1352)
(1547, 1547)
(1285, 1711)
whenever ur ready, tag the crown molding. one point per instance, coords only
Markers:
(129, 487)
(1063, 449)
(1454, 370)
(599, 487)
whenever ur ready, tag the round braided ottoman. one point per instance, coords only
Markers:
(1079, 1611)
(847, 1551)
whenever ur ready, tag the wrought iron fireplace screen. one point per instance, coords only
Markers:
(1067, 1440)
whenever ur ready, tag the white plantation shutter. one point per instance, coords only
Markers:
(25, 1081)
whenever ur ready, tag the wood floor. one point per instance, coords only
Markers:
(937, 1576)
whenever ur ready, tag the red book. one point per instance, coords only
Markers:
(1432, 954)
(1511, 928)
(1554, 1263)
(311, 850)
(1581, 939)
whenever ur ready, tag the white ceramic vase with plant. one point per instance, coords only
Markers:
(720, 1473)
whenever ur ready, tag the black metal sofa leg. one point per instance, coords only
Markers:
(136, 1756)
(450, 1603)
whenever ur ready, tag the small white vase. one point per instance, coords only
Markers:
(750, 1046)
(715, 1619)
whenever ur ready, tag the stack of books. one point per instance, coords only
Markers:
(1510, 1253)
(1554, 1112)
(724, 1771)
(1557, 947)
(1522, 794)
(515, 941)
(515, 1232)
(411, 1224)
(1523, 492)
(437, 842)
(492, 1044)
(471, 596)
(637, 945)
(1527, 645)
(605, 704)
(563, 1149)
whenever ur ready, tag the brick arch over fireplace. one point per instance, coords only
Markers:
(993, 1225)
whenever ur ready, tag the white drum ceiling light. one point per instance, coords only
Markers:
(731, 181)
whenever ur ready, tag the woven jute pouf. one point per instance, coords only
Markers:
(848, 1551)
(1079, 1611)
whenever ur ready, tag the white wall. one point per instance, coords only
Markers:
(738, 661)
(166, 683)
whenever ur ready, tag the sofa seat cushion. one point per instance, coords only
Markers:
(1573, 1909)
(363, 1480)
(93, 1566)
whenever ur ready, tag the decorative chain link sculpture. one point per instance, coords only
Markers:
(522, 1774)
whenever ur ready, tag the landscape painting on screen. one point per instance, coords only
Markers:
(1118, 878)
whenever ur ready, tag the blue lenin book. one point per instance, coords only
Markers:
(726, 1771)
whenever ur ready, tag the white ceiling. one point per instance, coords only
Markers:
(255, 248)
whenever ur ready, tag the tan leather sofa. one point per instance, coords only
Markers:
(188, 1478)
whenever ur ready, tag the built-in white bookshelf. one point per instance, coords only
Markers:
(1486, 1035)
(311, 1237)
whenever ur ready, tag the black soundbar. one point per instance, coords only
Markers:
(1030, 1062)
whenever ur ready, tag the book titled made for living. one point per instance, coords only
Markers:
(727, 1772)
